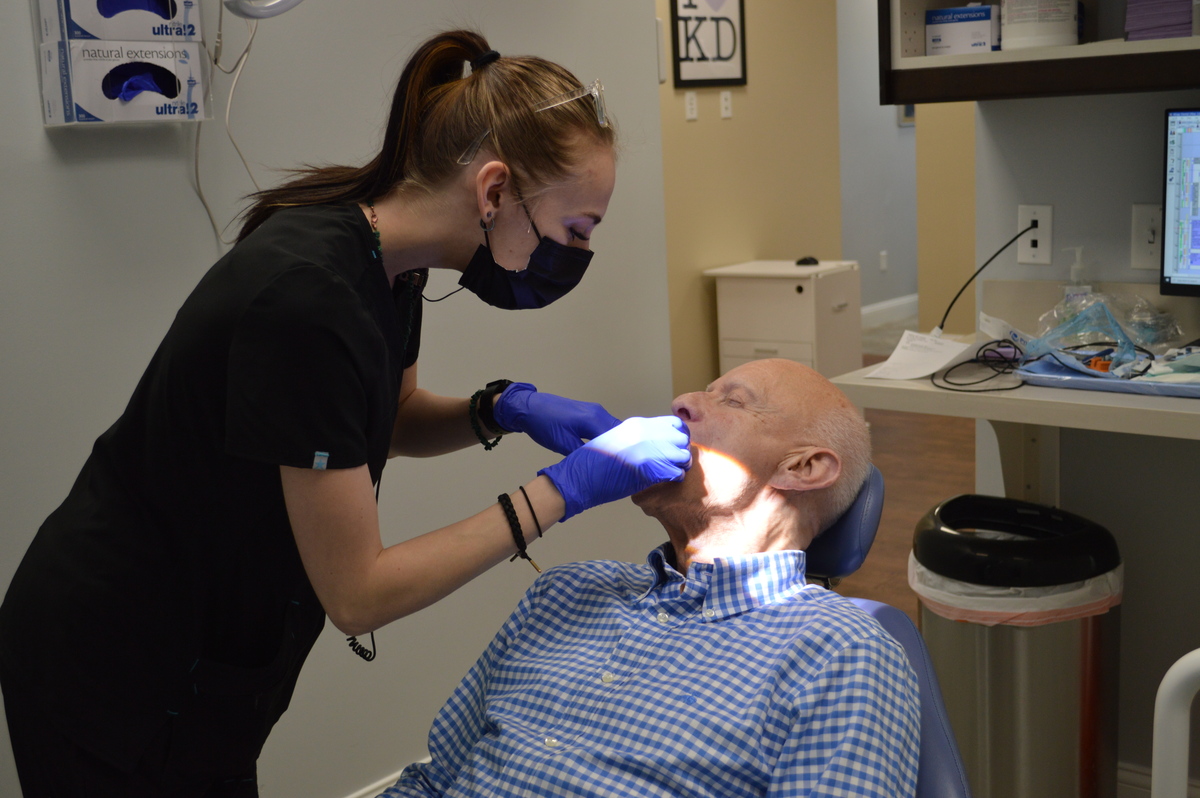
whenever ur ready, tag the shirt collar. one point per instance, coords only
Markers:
(732, 585)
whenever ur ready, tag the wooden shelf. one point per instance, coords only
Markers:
(1106, 67)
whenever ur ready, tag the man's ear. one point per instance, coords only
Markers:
(813, 468)
(492, 179)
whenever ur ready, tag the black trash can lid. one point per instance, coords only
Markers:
(1056, 547)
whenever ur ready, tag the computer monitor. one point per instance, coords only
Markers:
(1180, 271)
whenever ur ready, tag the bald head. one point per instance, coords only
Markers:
(766, 432)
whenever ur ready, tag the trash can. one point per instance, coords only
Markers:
(1019, 610)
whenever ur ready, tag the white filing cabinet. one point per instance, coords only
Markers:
(774, 308)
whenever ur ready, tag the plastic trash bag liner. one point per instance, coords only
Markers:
(1015, 606)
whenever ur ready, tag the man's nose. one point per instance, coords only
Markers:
(683, 407)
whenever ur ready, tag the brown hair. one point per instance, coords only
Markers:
(437, 114)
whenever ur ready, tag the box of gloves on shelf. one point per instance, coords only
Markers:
(971, 29)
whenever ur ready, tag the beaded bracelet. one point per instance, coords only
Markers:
(514, 524)
(473, 414)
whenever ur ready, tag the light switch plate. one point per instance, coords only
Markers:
(1145, 237)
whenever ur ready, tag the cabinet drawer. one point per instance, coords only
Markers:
(757, 350)
(766, 309)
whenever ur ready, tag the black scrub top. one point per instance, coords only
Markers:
(170, 571)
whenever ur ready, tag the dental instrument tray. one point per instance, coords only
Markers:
(1053, 372)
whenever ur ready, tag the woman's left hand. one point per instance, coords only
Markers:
(555, 422)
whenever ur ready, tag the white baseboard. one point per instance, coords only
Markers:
(889, 310)
(373, 790)
(381, 785)
(1133, 781)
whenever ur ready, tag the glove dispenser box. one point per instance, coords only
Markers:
(120, 20)
(105, 81)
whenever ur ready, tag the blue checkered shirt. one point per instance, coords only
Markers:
(614, 679)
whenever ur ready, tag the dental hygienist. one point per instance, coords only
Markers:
(155, 629)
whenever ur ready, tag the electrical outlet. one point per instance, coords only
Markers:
(1036, 246)
(1145, 237)
(689, 106)
(726, 105)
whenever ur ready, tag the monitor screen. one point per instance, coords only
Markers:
(1180, 274)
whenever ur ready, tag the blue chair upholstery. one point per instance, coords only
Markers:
(940, 773)
(838, 552)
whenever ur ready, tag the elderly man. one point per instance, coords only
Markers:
(713, 669)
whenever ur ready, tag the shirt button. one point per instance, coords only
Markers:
(552, 742)
(663, 617)
(709, 613)
(607, 677)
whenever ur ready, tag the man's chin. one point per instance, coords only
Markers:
(655, 496)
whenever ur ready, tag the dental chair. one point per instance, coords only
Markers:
(838, 552)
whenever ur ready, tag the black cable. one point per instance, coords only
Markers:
(358, 648)
(942, 326)
(1001, 357)
(447, 296)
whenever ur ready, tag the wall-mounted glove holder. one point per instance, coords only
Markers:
(121, 61)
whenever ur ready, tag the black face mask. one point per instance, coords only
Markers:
(553, 270)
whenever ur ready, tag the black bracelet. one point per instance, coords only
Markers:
(514, 524)
(536, 523)
(473, 414)
(487, 405)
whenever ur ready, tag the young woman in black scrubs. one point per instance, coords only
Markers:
(155, 629)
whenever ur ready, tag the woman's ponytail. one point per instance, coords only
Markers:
(435, 64)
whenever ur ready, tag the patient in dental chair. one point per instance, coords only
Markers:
(712, 669)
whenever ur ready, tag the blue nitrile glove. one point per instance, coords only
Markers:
(555, 422)
(632, 456)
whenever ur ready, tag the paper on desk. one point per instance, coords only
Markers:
(919, 355)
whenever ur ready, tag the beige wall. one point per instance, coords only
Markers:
(945, 214)
(764, 184)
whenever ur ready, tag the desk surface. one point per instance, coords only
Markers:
(1165, 416)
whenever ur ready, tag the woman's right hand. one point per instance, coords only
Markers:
(555, 422)
(630, 457)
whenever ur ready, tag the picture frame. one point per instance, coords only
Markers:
(708, 43)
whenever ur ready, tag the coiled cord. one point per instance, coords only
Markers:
(358, 648)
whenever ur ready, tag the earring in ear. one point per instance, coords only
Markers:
(491, 223)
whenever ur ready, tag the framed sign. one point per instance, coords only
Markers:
(708, 39)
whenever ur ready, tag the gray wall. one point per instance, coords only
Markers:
(1092, 158)
(103, 237)
(878, 163)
